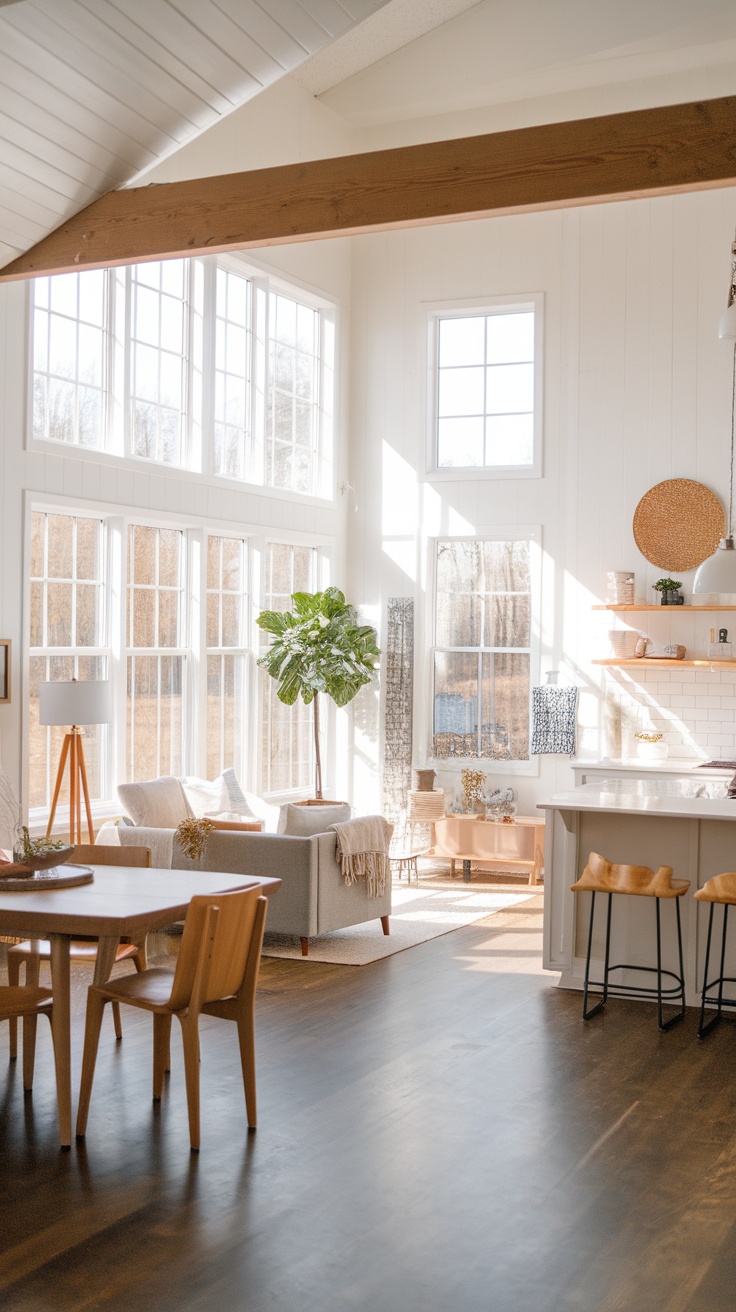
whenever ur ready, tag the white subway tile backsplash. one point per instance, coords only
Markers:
(706, 703)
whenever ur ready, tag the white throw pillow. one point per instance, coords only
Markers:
(303, 821)
(205, 797)
(155, 803)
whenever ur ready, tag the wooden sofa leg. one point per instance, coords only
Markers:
(384, 922)
(305, 946)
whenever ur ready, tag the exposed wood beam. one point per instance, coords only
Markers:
(646, 152)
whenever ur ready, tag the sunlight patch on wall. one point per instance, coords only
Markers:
(400, 514)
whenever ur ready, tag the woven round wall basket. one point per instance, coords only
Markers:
(678, 524)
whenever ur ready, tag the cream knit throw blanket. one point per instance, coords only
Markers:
(363, 846)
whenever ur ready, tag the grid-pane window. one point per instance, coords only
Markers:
(485, 398)
(158, 372)
(156, 651)
(287, 734)
(292, 411)
(67, 632)
(233, 353)
(226, 618)
(483, 617)
(70, 358)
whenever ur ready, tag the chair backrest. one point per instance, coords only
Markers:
(106, 855)
(216, 968)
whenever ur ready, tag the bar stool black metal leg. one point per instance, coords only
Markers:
(608, 951)
(702, 1028)
(659, 968)
(723, 961)
(598, 1006)
(667, 1024)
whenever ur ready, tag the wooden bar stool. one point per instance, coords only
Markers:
(720, 889)
(600, 876)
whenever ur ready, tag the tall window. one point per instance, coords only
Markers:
(226, 653)
(483, 616)
(70, 375)
(287, 742)
(68, 635)
(159, 303)
(487, 390)
(156, 654)
(190, 363)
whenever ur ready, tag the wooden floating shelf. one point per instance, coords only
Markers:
(666, 609)
(654, 662)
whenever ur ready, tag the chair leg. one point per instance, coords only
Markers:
(384, 922)
(33, 974)
(599, 1005)
(161, 1047)
(667, 1024)
(305, 946)
(93, 1024)
(140, 961)
(190, 1040)
(29, 1051)
(13, 980)
(247, 1041)
(116, 1021)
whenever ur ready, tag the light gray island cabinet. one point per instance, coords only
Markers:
(689, 825)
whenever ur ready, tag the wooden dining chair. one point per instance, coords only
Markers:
(32, 952)
(25, 1003)
(215, 975)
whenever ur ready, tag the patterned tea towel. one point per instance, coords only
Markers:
(553, 720)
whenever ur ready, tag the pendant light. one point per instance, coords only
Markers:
(718, 572)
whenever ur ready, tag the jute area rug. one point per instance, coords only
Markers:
(419, 912)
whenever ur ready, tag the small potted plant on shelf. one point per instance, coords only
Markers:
(669, 591)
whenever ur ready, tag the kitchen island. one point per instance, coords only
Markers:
(689, 825)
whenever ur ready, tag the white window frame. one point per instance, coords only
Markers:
(507, 533)
(198, 420)
(467, 308)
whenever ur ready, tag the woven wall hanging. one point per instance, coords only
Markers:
(678, 524)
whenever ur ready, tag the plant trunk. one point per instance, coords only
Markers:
(317, 757)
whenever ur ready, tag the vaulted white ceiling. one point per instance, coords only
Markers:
(94, 91)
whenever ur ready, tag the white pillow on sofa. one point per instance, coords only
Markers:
(217, 797)
(303, 821)
(155, 803)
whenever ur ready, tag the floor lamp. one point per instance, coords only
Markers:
(74, 703)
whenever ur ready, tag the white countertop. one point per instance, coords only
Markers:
(590, 797)
(670, 765)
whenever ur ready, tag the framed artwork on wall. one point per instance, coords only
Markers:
(5, 646)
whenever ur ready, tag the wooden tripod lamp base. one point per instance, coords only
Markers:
(73, 751)
(77, 702)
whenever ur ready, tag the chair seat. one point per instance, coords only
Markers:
(602, 876)
(78, 951)
(150, 989)
(19, 999)
(720, 888)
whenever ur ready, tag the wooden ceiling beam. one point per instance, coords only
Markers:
(647, 152)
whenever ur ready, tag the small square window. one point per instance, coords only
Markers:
(486, 390)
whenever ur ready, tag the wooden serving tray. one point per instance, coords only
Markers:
(42, 881)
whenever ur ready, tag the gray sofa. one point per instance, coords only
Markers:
(313, 899)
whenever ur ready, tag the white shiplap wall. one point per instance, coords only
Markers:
(637, 389)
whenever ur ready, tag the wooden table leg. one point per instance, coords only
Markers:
(61, 1031)
(106, 949)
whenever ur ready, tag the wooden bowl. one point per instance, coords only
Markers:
(43, 861)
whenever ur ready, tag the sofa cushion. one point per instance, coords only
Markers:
(303, 821)
(237, 800)
(206, 797)
(155, 803)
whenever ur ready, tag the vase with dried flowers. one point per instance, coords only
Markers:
(193, 835)
(473, 782)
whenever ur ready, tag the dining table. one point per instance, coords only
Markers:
(121, 903)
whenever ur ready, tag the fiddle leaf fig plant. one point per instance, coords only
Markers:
(318, 647)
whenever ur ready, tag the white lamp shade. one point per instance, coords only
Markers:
(718, 572)
(80, 701)
(727, 326)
